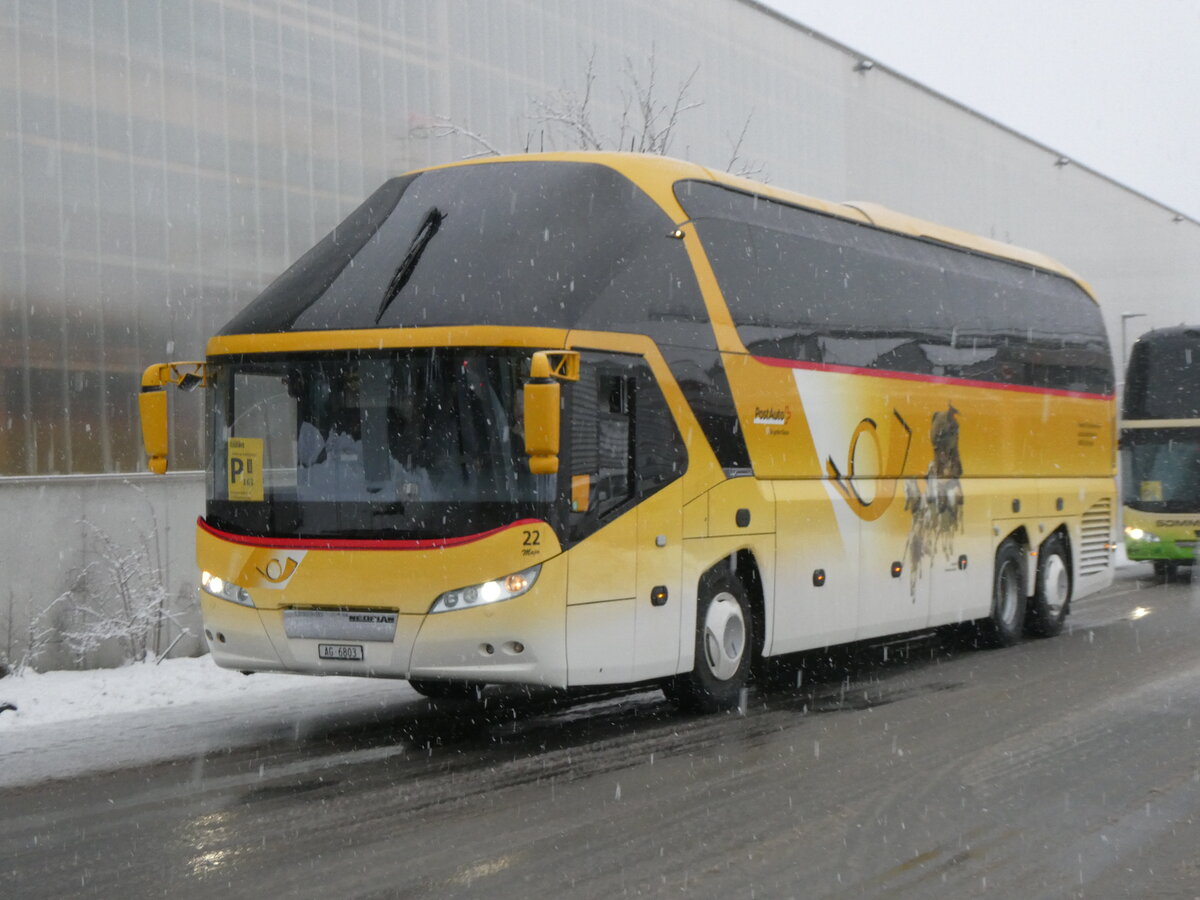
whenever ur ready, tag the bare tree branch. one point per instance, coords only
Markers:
(571, 118)
(646, 123)
(747, 169)
(658, 120)
(573, 113)
(444, 126)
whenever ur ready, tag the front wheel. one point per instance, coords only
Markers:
(724, 648)
(1164, 571)
(1048, 608)
(1004, 626)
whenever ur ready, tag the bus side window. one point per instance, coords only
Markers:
(659, 453)
(623, 443)
(601, 440)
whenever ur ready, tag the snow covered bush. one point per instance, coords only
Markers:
(117, 600)
(20, 644)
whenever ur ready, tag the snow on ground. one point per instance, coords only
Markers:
(52, 697)
(71, 723)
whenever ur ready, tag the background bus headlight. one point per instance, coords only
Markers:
(1139, 534)
(496, 591)
(225, 590)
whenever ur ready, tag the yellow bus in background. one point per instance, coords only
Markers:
(590, 419)
(1160, 449)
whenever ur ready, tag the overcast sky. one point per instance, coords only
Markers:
(1111, 84)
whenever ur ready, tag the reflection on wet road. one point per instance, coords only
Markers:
(1063, 767)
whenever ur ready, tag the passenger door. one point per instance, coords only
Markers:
(623, 456)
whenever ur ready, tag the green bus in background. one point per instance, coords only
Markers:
(1160, 449)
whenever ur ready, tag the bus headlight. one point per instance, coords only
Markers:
(496, 591)
(1138, 534)
(225, 590)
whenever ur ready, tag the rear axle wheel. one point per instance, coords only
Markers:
(1052, 596)
(1004, 626)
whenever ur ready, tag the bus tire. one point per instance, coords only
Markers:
(1164, 571)
(724, 648)
(443, 690)
(1004, 626)
(1052, 598)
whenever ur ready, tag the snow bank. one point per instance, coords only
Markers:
(51, 697)
(73, 723)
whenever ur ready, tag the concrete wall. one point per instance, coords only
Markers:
(55, 527)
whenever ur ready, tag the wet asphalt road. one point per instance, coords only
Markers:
(1067, 767)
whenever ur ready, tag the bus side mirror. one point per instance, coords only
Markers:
(152, 406)
(543, 402)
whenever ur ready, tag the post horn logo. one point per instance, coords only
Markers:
(278, 571)
(893, 460)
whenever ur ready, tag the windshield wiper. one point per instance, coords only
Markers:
(429, 227)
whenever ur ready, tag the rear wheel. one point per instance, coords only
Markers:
(1048, 608)
(1004, 626)
(724, 648)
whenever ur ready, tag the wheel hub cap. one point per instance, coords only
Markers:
(1056, 583)
(724, 636)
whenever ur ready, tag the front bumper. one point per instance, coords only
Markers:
(1164, 550)
(522, 640)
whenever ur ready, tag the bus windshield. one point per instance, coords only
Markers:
(1162, 469)
(405, 444)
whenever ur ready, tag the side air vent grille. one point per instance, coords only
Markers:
(1096, 538)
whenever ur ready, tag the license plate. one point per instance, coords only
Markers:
(340, 651)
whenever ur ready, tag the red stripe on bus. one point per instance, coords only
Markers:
(929, 379)
(358, 543)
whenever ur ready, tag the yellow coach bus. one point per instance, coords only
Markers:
(583, 419)
(1160, 449)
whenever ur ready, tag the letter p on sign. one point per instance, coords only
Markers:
(245, 469)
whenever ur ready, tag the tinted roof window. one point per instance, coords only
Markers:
(534, 243)
(807, 287)
(1164, 376)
